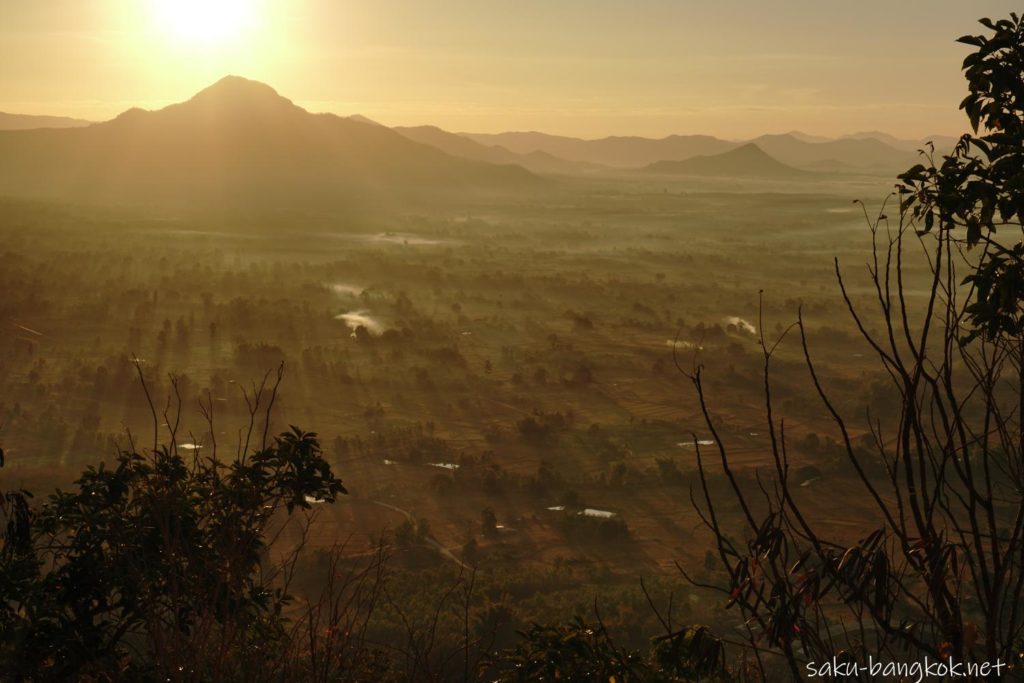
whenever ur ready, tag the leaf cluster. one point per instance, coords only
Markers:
(144, 553)
(979, 187)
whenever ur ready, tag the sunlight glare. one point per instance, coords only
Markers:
(206, 22)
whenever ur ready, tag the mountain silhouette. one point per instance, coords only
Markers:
(943, 143)
(30, 122)
(806, 137)
(796, 149)
(746, 161)
(461, 146)
(623, 152)
(238, 142)
(866, 153)
(364, 119)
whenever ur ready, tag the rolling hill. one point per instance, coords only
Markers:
(863, 153)
(622, 152)
(237, 143)
(746, 161)
(467, 148)
(943, 143)
(30, 122)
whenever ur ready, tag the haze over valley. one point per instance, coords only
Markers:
(588, 342)
(470, 322)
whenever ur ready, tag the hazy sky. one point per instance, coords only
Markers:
(580, 67)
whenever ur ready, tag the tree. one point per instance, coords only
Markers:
(405, 533)
(582, 652)
(488, 522)
(942, 573)
(164, 552)
(980, 187)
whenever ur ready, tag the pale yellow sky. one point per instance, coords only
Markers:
(577, 67)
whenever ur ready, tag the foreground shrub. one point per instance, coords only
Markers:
(154, 566)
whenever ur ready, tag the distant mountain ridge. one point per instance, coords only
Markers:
(617, 151)
(860, 152)
(745, 161)
(240, 142)
(31, 122)
(461, 146)
(235, 142)
(942, 142)
(867, 153)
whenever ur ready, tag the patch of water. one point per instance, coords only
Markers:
(593, 512)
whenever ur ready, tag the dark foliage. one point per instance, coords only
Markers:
(979, 189)
(586, 653)
(154, 552)
(941, 575)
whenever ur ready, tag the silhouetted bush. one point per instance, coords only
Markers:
(152, 564)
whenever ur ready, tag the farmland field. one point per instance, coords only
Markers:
(512, 356)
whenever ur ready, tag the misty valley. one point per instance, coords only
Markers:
(515, 359)
(288, 395)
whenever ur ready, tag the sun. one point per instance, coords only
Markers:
(207, 23)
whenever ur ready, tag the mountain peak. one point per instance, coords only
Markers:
(747, 160)
(235, 91)
(238, 143)
(749, 148)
